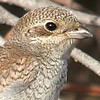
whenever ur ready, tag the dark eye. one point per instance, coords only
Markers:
(76, 29)
(51, 26)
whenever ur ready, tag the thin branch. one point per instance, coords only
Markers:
(2, 41)
(90, 90)
(7, 18)
(85, 18)
(69, 3)
(29, 4)
(86, 60)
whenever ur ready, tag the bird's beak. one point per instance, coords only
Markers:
(81, 33)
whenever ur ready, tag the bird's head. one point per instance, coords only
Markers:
(47, 28)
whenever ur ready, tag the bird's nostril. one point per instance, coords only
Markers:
(65, 30)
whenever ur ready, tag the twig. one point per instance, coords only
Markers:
(7, 18)
(29, 4)
(2, 41)
(91, 90)
(85, 18)
(69, 3)
(86, 60)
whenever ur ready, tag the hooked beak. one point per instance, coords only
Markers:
(81, 33)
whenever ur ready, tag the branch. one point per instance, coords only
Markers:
(2, 41)
(30, 4)
(86, 60)
(90, 90)
(22, 3)
(85, 18)
(7, 18)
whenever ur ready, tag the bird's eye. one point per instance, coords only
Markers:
(76, 29)
(51, 26)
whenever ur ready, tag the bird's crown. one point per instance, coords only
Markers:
(48, 20)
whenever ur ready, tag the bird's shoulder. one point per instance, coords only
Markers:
(13, 68)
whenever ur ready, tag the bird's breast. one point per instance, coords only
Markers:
(51, 75)
(47, 74)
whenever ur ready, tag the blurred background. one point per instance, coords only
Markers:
(83, 84)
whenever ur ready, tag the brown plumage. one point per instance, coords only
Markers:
(33, 62)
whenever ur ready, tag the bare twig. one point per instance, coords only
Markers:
(32, 4)
(91, 90)
(22, 3)
(64, 2)
(85, 18)
(7, 18)
(2, 41)
(69, 3)
(86, 60)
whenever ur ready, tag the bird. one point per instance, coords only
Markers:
(34, 60)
